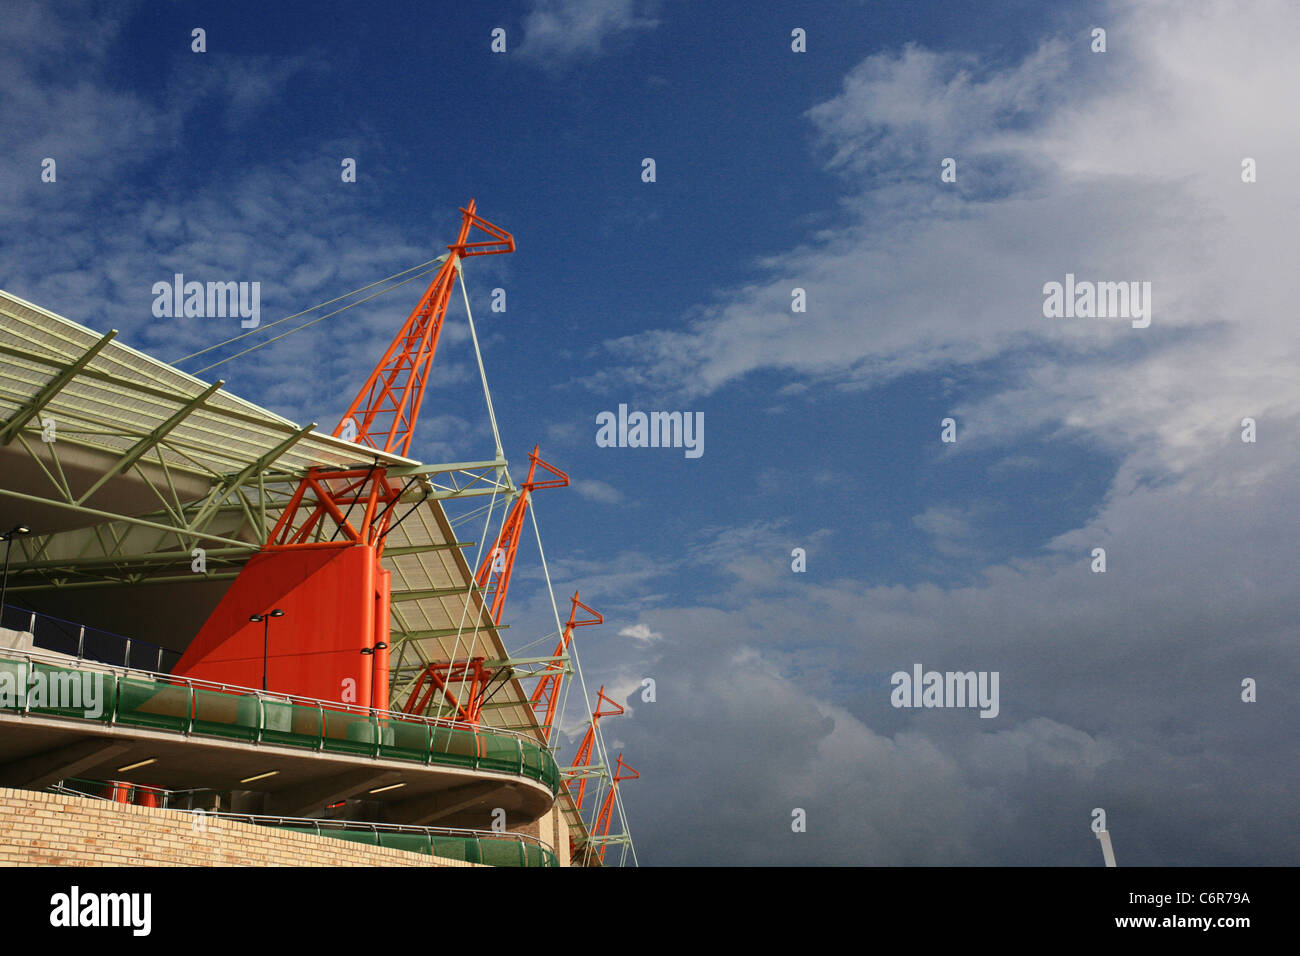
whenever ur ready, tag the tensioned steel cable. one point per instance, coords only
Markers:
(410, 511)
(321, 305)
(500, 454)
(487, 395)
(308, 324)
(469, 593)
(598, 735)
(568, 685)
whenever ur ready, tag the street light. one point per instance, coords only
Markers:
(368, 651)
(8, 536)
(265, 620)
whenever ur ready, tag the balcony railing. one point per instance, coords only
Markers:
(90, 643)
(488, 847)
(55, 686)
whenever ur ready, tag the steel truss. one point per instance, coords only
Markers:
(227, 513)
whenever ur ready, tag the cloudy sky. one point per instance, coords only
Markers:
(778, 170)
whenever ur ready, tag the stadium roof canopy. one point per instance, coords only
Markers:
(100, 391)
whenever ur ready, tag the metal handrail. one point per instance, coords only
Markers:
(63, 786)
(128, 642)
(264, 819)
(359, 825)
(272, 696)
(380, 721)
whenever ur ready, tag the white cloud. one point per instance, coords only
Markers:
(1114, 686)
(1067, 162)
(640, 632)
(594, 490)
(557, 31)
(895, 108)
(91, 245)
(949, 528)
(943, 522)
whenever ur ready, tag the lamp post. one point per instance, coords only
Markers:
(368, 652)
(265, 620)
(8, 536)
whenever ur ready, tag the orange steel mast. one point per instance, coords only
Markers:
(604, 818)
(494, 573)
(582, 759)
(386, 409)
(548, 687)
(437, 677)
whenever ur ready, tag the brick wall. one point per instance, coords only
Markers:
(50, 829)
(550, 829)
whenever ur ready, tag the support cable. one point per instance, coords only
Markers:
(321, 305)
(469, 593)
(479, 356)
(496, 437)
(577, 667)
(305, 325)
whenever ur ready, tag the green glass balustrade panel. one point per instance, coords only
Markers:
(457, 848)
(492, 852)
(502, 852)
(405, 739)
(499, 752)
(534, 761)
(314, 831)
(454, 746)
(350, 733)
(410, 842)
(233, 716)
(291, 725)
(155, 704)
(13, 684)
(69, 692)
(535, 855)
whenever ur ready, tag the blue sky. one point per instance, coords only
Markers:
(778, 170)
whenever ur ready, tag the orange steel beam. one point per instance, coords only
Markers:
(497, 567)
(386, 409)
(583, 757)
(606, 814)
(440, 676)
(548, 688)
(336, 494)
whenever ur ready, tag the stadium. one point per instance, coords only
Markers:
(220, 623)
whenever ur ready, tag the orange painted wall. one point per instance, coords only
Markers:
(328, 598)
